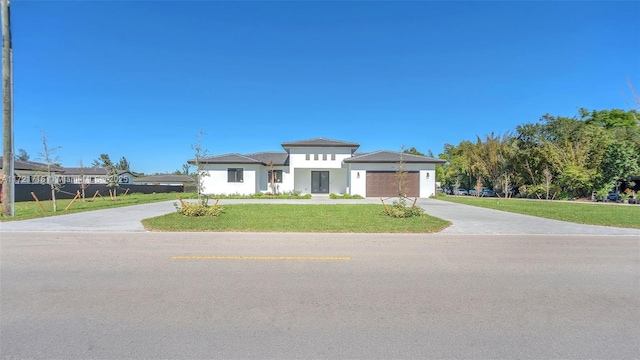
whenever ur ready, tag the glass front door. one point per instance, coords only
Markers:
(319, 182)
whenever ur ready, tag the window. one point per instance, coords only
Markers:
(234, 175)
(324, 157)
(333, 156)
(315, 156)
(307, 157)
(277, 176)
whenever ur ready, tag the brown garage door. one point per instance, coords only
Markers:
(384, 184)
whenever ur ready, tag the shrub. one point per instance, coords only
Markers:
(344, 196)
(202, 209)
(399, 209)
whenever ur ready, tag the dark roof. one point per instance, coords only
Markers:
(227, 159)
(384, 156)
(30, 165)
(165, 178)
(86, 171)
(266, 157)
(89, 171)
(320, 142)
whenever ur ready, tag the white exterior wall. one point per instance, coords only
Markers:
(337, 180)
(216, 181)
(302, 179)
(263, 179)
(297, 157)
(359, 185)
(300, 167)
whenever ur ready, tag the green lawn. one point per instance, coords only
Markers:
(618, 215)
(298, 218)
(30, 209)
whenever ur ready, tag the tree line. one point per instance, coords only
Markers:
(569, 157)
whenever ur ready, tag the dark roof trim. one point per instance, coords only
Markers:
(234, 158)
(320, 142)
(393, 157)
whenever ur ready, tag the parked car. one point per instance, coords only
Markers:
(613, 196)
(460, 191)
(487, 193)
(472, 192)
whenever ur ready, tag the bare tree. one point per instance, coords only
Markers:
(478, 187)
(401, 177)
(547, 177)
(199, 153)
(83, 183)
(50, 158)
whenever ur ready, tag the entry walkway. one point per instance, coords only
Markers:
(466, 219)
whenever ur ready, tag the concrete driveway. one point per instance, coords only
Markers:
(466, 219)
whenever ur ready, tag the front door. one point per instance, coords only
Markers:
(319, 182)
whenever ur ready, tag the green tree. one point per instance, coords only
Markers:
(413, 151)
(22, 155)
(123, 165)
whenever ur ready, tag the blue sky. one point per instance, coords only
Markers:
(140, 79)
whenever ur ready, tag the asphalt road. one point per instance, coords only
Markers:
(102, 295)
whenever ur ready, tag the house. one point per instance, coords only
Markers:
(319, 166)
(94, 175)
(29, 172)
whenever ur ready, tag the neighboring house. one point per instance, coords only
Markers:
(94, 175)
(319, 166)
(164, 179)
(28, 172)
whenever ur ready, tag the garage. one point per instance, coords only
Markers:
(383, 184)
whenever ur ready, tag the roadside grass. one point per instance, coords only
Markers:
(618, 215)
(346, 218)
(30, 210)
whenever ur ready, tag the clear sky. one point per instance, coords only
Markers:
(140, 79)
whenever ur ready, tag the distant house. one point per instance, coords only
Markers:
(319, 166)
(91, 175)
(28, 172)
(164, 179)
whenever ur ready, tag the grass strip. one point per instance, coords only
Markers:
(347, 218)
(617, 215)
(30, 209)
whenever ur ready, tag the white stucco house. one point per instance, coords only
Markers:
(319, 166)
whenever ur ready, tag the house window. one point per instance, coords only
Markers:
(234, 175)
(307, 157)
(324, 157)
(315, 156)
(277, 176)
(333, 156)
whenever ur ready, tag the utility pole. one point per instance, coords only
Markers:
(8, 180)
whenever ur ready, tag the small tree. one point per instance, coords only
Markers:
(478, 187)
(83, 183)
(547, 177)
(112, 180)
(401, 178)
(50, 159)
(272, 178)
(199, 154)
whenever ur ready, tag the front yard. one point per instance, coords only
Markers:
(368, 218)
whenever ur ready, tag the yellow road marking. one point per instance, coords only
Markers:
(316, 258)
